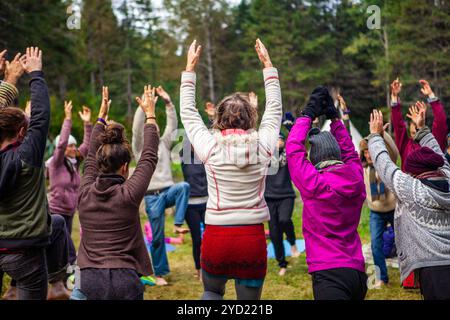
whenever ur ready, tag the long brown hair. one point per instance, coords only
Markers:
(115, 150)
(235, 112)
(11, 121)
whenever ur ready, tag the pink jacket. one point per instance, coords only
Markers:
(332, 200)
(406, 144)
(63, 190)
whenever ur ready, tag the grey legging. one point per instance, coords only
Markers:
(214, 289)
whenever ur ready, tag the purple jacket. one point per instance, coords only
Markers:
(332, 200)
(63, 190)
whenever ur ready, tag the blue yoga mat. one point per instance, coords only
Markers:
(169, 247)
(287, 248)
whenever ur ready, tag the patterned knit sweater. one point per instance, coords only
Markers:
(422, 215)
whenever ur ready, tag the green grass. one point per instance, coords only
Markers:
(295, 285)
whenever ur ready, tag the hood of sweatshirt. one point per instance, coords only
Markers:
(344, 180)
(106, 184)
(238, 147)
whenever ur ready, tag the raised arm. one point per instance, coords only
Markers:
(137, 184)
(33, 147)
(85, 116)
(439, 129)
(303, 173)
(270, 125)
(171, 117)
(388, 171)
(8, 87)
(197, 132)
(59, 153)
(90, 164)
(398, 123)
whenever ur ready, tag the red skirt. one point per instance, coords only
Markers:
(237, 252)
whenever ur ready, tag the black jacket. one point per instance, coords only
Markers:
(193, 171)
(24, 216)
(279, 185)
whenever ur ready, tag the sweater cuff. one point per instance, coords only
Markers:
(373, 135)
(270, 73)
(421, 133)
(432, 99)
(8, 93)
(188, 77)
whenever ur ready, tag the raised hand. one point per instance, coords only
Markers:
(253, 99)
(85, 114)
(396, 88)
(13, 70)
(106, 103)
(193, 56)
(426, 89)
(149, 102)
(28, 109)
(342, 103)
(164, 95)
(32, 60)
(263, 54)
(210, 109)
(2, 61)
(417, 114)
(376, 123)
(68, 110)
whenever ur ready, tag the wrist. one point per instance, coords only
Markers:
(190, 68)
(11, 80)
(431, 95)
(268, 65)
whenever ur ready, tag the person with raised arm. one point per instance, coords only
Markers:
(331, 184)
(112, 254)
(236, 157)
(33, 244)
(63, 171)
(405, 143)
(12, 71)
(422, 215)
(162, 192)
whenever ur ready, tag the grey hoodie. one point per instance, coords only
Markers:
(422, 215)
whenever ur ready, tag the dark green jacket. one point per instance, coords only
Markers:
(24, 215)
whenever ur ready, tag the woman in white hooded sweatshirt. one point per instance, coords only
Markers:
(236, 158)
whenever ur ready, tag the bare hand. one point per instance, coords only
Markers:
(106, 103)
(149, 102)
(2, 61)
(210, 109)
(85, 115)
(426, 89)
(13, 70)
(32, 60)
(28, 109)
(263, 54)
(164, 95)
(68, 110)
(193, 56)
(417, 114)
(342, 103)
(396, 88)
(253, 99)
(376, 123)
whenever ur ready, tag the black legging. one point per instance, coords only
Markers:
(281, 223)
(72, 251)
(195, 217)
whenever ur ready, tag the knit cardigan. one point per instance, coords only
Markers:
(236, 161)
(422, 215)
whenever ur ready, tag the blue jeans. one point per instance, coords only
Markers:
(155, 206)
(378, 223)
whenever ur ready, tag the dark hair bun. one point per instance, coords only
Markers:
(313, 132)
(114, 134)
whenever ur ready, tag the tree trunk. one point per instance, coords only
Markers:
(209, 60)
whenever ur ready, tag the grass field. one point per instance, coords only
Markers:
(295, 285)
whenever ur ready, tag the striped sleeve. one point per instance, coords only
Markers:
(8, 93)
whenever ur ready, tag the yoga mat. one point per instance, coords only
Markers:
(169, 247)
(287, 248)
